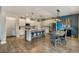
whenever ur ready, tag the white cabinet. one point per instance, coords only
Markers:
(21, 23)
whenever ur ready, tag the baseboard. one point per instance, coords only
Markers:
(3, 42)
(10, 36)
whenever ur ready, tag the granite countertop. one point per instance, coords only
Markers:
(34, 30)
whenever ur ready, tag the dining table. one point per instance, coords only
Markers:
(58, 36)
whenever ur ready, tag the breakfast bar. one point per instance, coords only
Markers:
(34, 33)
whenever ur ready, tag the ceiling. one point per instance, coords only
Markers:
(45, 11)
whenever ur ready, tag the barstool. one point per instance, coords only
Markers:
(32, 34)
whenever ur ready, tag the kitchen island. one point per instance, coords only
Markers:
(34, 34)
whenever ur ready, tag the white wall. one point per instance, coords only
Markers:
(2, 28)
(10, 26)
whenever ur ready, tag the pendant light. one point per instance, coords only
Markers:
(57, 18)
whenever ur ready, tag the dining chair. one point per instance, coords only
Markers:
(54, 39)
(58, 39)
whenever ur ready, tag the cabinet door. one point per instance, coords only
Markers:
(21, 23)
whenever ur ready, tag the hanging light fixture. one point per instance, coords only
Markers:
(57, 18)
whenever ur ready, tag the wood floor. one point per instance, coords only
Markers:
(43, 45)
